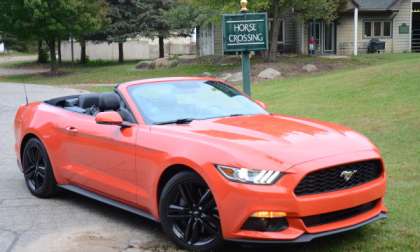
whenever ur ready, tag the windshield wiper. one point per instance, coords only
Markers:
(236, 115)
(178, 121)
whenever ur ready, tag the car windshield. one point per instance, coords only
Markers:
(184, 101)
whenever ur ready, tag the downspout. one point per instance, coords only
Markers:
(394, 14)
(356, 23)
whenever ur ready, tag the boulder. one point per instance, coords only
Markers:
(236, 77)
(144, 64)
(165, 63)
(310, 68)
(206, 74)
(225, 76)
(269, 74)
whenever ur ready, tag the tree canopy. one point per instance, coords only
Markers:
(306, 10)
(50, 20)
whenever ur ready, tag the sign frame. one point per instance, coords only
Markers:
(245, 18)
(404, 28)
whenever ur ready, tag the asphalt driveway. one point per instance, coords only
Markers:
(69, 222)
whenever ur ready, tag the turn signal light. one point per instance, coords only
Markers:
(269, 214)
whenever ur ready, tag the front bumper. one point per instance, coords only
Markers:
(237, 202)
(309, 237)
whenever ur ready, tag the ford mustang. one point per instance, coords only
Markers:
(203, 159)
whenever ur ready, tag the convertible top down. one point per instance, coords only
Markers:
(205, 160)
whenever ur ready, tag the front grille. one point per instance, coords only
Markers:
(316, 220)
(333, 179)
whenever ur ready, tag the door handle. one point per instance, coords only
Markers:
(72, 129)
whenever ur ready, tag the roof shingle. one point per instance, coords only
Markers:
(376, 4)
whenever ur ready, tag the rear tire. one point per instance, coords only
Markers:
(36, 166)
(189, 214)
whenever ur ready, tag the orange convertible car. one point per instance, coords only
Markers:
(203, 159)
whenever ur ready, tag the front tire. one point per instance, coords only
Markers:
(37, 170)
(189, 214)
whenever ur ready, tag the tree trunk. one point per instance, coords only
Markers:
(161, 47)
(40, 51)
(72, 50)
(275, 27)
(53, 59)
(59, 50)
(121, 52)
(42, 54)
(83, 58)
(197, 43)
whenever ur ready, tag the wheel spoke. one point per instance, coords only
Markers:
(41, 175)
(188, 229)
(205, 198)
(30, 171)
(209, 228)
(179, 216)
(212, 221)
(195, 232)
(37, 156)
(29, 157)
(209, 204)
(42, 170)
(36, 181)
(176, 208)
(186, 195)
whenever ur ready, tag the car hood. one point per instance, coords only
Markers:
(282, 139)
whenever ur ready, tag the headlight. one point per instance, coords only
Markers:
(243, 175)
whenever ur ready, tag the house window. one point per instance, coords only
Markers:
(387, 29)
(280, 38)
(368, 29)
(377, 29)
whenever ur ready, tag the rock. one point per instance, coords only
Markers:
(173, 63)
(144, 64)
(269, 74)
(225, 76)
(165, 63)
(206, 74)
(310, 68)
(236, 77)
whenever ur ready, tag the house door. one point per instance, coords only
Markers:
(325, 36)
(328, 38)
(415, 33)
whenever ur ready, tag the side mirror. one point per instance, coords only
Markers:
(262, 104)
(109, 118)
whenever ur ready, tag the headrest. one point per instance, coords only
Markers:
(88, 100)
(109, 101)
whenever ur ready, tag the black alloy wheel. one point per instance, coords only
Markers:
(37, 170)
(189, 213)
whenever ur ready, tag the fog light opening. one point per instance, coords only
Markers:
(269, 214)
(266, 221)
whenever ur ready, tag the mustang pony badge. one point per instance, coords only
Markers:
(347, 175)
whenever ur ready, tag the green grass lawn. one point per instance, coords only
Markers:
(107, 72)
(382, 102)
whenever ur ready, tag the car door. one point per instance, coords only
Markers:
(100, 158)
